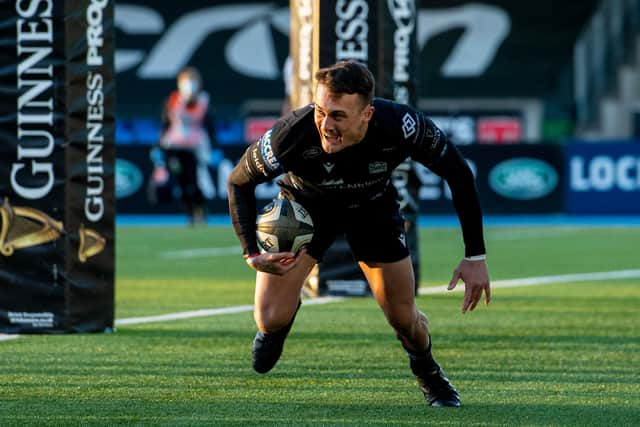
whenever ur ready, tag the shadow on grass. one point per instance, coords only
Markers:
(305, 412)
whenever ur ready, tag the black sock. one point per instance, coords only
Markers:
(419, 356)
(422, 363)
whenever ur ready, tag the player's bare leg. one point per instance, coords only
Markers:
(277, 299)
(393, 287)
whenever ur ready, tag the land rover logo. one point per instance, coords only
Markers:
(128, 178)
(523, 178)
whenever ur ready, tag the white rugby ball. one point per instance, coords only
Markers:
(283, 226)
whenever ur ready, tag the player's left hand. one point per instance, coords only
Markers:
(475, 276)
(278, 263)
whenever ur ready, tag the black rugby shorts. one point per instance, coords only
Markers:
(375, 231)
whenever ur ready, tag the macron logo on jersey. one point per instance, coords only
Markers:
(403, 240)
(266, 151)
(408, 125)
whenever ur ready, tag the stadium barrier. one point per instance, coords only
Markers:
(576, 178)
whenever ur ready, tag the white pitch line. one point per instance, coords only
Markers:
(184, 315)
(543, 280)
(209, 312)
(202, 252)
(510, 283)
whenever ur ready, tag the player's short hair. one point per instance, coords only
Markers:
(348, 77)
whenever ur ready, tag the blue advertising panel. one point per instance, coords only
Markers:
(603, 178)
(511, 179)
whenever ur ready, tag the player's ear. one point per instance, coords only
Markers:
(368, 112)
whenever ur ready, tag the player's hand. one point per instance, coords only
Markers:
(278, 263)
(475, 276)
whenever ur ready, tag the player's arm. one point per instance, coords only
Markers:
(245, 177)
(473, 268)
(439, 154)
(260, 163)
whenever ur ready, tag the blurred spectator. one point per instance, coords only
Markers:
(183, 154)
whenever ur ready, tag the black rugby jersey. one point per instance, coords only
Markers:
(355, 175)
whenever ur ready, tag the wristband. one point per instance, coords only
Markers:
(482, 257)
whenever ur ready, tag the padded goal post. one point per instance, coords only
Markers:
(383, 35)
(57, 155)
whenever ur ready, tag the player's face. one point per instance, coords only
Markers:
(341, 119)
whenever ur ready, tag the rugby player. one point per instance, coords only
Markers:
(336, 157)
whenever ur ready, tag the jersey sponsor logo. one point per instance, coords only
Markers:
(328, 166)
(256, 157)
(331, 182)
(434, 135)
(408, 125)
(444, 150)
(377, 167)
(341, 185)
(436, 139)
(269, 157)
(312, 152)
(403, 240)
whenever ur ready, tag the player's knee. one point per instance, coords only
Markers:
(270, 319)
(422, 321)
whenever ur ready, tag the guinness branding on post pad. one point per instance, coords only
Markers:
(57, 100)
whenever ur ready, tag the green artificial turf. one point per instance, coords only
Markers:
(550, 355)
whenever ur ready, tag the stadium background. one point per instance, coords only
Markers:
(534, 89)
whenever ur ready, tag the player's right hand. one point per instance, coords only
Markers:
(475, 275)
(278, 263)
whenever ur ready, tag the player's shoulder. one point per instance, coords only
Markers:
(392, 112)
(277, 145)
(397, 119)
(299, 117)
(293, 127)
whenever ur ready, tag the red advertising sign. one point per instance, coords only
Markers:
(499, 130)
(255, 127)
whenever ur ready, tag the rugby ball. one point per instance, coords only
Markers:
(283, 226)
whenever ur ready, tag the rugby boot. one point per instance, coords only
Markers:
(436, 387)
(267, 347)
